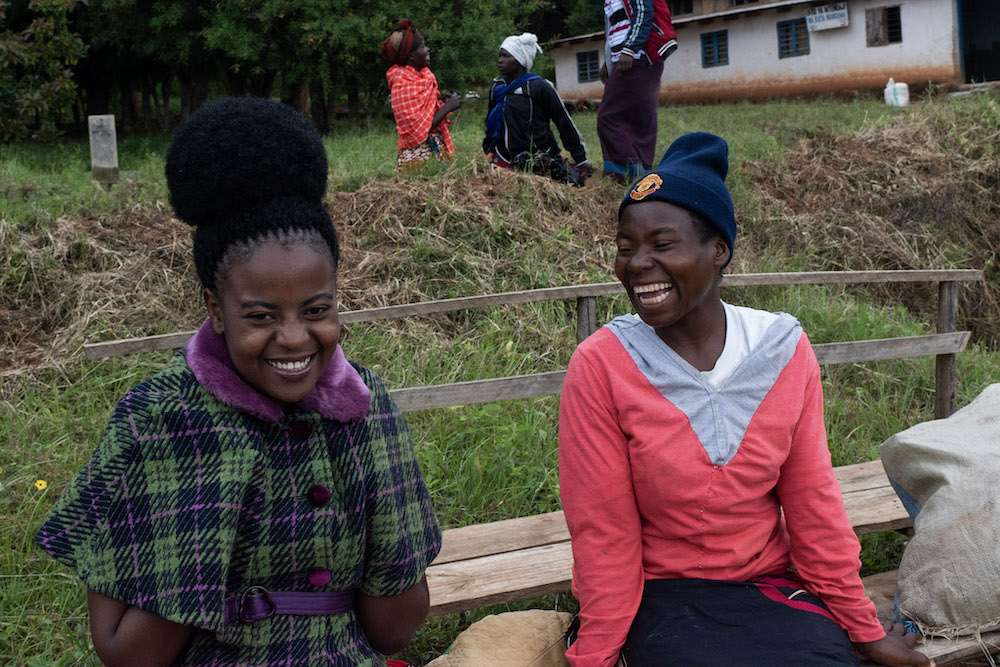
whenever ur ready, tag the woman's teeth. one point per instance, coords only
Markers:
(291, 366)
(663, 290)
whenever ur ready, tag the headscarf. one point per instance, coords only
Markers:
(523, 47)
(403, 41)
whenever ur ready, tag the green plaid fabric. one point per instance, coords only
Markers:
(187, 502)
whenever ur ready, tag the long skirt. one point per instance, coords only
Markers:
(412, 158)
(767, 622)
(626, 119)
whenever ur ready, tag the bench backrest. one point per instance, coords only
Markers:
(944, 344)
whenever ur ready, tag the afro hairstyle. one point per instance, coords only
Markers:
(245, 169)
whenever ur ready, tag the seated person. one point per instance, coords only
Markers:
(422, 118)
(706, 522)
(518, 135)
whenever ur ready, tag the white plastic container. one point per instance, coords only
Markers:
(897, 94)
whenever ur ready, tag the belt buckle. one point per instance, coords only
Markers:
(249, 594)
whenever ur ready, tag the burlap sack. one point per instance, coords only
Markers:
(947, 473)
(514, 639)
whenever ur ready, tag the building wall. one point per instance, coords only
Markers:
(566, 74)
(838, 59)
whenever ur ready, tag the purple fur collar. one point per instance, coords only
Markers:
(339, 394)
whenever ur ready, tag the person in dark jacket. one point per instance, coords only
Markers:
(522, 105)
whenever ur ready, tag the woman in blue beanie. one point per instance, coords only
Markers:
(694, 470)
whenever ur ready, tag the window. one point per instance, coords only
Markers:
(793, 38)
(588, 67)
(883, 26)
(715, 48)
(678, 7)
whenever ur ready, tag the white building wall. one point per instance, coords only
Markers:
(566, 73)
(838, 59)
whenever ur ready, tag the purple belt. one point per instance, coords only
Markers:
(257, 603)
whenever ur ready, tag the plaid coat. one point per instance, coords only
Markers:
(201, 488)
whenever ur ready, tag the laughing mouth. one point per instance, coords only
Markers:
(291, 366)
(652, 294)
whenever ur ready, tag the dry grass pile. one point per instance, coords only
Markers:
(467, 234)
(130, 273)
(923, 192)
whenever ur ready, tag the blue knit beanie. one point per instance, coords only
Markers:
(692, 175)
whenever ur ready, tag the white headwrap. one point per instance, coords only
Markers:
(523, 47)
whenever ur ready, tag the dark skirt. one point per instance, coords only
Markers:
(767, 622)
(626, 119)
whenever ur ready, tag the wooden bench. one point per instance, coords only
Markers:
(515, 559)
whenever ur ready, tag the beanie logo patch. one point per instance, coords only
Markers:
(649, 184)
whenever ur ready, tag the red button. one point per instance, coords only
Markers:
(300, 430)
(318, 495)
(320, 576)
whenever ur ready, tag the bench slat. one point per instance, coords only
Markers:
(517, 558)
(173, 341)
(876, 510)
(532, 385)
(468, 584)
(483, 539)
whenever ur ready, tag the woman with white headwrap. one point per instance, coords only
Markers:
(522, 104)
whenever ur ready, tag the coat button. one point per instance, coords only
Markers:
(320, 576)
(300, 430)
(318, 495)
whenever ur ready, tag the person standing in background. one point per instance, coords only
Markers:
(422, 118)
(639, 35)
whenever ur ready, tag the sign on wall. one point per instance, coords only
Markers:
(826, 17)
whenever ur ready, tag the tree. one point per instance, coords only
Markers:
(36, 83)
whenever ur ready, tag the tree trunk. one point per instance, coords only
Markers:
(318, 108)
(187, 95)
(127, 109)
(148, 91)
(234, 82)
(165, 85)
(353, 100)
(297, 97)
(261, 84)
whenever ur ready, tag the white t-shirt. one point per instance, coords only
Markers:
(745, 328)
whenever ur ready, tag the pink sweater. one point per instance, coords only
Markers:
(644, 499)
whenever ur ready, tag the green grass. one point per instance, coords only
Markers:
(483, 462)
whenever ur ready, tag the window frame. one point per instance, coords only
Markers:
(593, 69)
(793, 29)
(683, 7)
(710, 43)
(888, 20)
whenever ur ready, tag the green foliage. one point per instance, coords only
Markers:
(582, 18)
(37, 50)
(482, 462)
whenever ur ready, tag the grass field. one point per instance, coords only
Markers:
(818, 185)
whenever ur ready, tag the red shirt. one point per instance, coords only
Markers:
(643, 500)
(415, 99)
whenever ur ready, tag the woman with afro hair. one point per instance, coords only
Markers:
(258, 501)
(422, 117)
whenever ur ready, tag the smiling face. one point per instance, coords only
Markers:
(508, 66)
(669, 269)
(277, 309)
